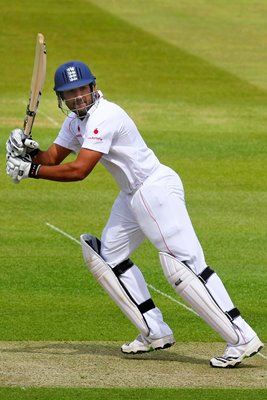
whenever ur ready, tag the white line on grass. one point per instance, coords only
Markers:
(52, 120)
(63, 233)
(151, 287)
(171, 298)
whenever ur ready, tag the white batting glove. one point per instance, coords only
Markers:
(19, 168)
(19, 144)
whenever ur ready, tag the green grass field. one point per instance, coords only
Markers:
(192, 74)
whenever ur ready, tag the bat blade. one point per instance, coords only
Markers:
(37, 83)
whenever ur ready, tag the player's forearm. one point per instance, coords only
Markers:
(53, 156)
(19, 168)
(68, 172)
(43, 157)
(72, 171)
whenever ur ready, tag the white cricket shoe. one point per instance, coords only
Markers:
(233, 355)
(143, 345)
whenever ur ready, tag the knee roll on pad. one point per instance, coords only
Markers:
(193, 290)
(108, 279)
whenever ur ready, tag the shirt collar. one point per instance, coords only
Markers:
(95, 105)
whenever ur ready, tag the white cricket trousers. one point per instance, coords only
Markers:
(157, 211)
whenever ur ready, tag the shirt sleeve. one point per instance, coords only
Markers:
(66, 138)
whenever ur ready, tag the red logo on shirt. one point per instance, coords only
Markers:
(96, 131)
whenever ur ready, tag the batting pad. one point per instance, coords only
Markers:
(192, 290)
(110, 283)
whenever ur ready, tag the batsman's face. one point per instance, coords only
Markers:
(79, 100)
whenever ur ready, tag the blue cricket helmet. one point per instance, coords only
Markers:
(71, 75)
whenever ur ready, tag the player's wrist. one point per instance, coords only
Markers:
(33, 172)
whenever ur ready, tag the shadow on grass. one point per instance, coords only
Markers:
(112, 349)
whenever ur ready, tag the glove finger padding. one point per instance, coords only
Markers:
(30, 145)
(12, 172)
(15, 174)
(14, 144)
(18, 168)
(20, 145)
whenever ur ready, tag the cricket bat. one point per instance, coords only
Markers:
(37, 83)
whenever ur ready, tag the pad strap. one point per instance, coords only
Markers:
(122, 267)
(205, 275)
(232, 314)
(146, 306)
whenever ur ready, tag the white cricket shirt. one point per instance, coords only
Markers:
(108, 129)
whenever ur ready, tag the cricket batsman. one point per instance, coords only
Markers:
(150, 205)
